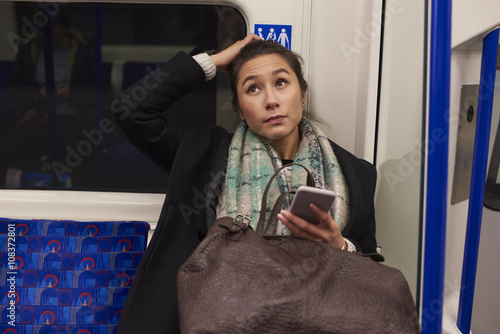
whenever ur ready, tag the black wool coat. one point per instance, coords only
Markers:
(196, 162)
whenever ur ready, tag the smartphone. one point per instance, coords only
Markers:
(306, 195)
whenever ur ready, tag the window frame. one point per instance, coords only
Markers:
(95, 205)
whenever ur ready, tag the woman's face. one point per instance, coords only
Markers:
(270, 98)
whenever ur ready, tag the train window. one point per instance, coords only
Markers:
(61, 67)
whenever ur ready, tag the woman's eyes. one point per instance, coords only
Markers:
(281, 82)
(252, 89)
(256, 88)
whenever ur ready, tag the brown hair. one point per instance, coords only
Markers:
(261, 48)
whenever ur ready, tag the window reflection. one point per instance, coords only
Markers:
(57, 131)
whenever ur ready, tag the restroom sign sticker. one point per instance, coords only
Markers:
(281, 34)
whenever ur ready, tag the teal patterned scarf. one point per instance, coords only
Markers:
(252, 162)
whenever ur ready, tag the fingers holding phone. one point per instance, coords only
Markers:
(309, 216)
(305, 196)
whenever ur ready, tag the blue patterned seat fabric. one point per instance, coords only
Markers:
(67, 276)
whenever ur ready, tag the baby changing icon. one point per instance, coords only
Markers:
(281, 34)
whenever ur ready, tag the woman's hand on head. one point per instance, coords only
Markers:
(326, 231)
(223, 59)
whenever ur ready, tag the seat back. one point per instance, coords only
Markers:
(67, 276)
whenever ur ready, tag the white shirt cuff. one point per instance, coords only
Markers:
(206, 63)
(350, 246)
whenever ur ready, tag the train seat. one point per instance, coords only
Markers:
(67, 276)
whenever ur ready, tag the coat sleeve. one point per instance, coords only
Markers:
(365, 231)
(139, 108)
(361, 179)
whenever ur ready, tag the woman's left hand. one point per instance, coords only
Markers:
(326, 231)
(223, 59)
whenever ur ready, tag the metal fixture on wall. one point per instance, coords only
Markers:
(465, 143)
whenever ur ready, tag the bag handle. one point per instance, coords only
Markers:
(273, 220)
(272, 226)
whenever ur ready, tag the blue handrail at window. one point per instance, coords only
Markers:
(478, 179)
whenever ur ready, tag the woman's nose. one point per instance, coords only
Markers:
(271, 100)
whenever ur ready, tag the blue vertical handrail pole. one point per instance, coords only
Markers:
(437, 167)
(478, 180)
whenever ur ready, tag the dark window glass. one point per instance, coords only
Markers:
(61, 67)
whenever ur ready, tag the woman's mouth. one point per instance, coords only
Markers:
(275, 119)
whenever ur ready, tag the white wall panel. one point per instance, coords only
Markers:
(343, 67)
(399, 146)
(471, 19)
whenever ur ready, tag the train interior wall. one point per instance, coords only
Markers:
(340, 42)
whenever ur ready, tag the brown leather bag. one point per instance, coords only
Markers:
(242, 281)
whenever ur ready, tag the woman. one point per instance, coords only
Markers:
(214, 173)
